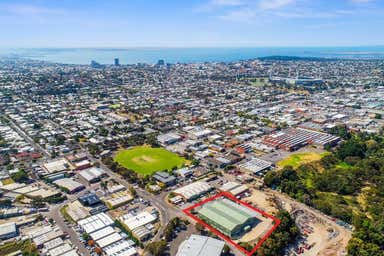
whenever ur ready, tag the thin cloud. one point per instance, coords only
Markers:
(251, 11)
(218, 4)
(29, 10)
(361, 1)
(274, 4)
(226, 2)
(240, 15)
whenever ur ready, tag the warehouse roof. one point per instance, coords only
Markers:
(69, 184)
(39, 240)
(60, 250)
(194, 189)
(234, 188)
(124, 246)
(200, 246)
(256, 165)
(141, 219)
(7, 228)
(92, 173)
(96, 222)
(226, 213)
(102, 233)
(108, 240)
(53, 243)
(57, 165)
(70, 253)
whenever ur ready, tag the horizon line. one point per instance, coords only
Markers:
(184, 47)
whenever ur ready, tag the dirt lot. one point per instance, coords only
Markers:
(323, 236)
(261, 200)
(257, 232)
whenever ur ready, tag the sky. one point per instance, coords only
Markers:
(191, 23)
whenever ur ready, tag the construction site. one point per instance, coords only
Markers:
(321, 235)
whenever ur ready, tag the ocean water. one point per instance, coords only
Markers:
(185, 55)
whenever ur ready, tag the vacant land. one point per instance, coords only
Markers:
(298, 159)
(26, 247)
(7, 181)
(146, 160)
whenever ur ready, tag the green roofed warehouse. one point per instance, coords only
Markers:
(229, 217)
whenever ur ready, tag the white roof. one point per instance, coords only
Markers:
(141, 219)
(70, 253)
(7, 228)
(229, 186)
(60, 250)
(108, 240)
(32, 233)
(119, 247)
(96, 222)
(92, 173)
(256, 165)
(200, 246)
(102, 233)
(53, 243)
(193, 189)
(47, 237)
(56, 165)
(129, 252)
(68, 183)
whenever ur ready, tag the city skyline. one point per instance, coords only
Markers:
(202, 23)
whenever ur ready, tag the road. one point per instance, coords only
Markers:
(55, 214)
(20, 131)
(158, 201)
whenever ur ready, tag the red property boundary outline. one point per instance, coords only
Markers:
(188, 210)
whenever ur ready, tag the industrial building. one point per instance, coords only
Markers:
(118, 199)
(42, 235)
(255, 166)
(100, 228)
(89, 199)
(165, 178)
(294, 138)
(76, 211)
(96, 222)
(69, 185)
(121, 248)
(92, 175)
(229, 217)
(168, 138)
(8, 230)
(54, 166)
(60, 250)
(140, 225)
(234, 188)
(193, 190)
(197, 245)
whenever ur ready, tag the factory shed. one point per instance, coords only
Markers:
(228, 217)
(200, 246)
(193, 190)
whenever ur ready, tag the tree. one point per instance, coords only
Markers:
(199, 227)
(226, 250)
(285, 234)
(20, 176)
(271, 179)
(157, 248)
(133, 191)
(85, 236)
(352, 147)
